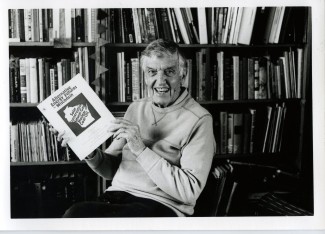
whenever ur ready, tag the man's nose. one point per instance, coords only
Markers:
(161, 78)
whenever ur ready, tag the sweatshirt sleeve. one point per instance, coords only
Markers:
(186, 182)
(106, 163)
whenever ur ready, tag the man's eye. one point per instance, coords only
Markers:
(152, 72)
(170, 72)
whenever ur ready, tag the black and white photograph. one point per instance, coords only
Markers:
(218, 106)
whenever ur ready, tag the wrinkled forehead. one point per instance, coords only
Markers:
(160, 61)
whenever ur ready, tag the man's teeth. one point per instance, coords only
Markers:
(162, 90)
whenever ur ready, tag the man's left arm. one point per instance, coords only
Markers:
(186, 182)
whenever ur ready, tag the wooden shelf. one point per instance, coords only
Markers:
(23, 105)
(125, 104)
(142, 45)
(21, 164)
(48, 44)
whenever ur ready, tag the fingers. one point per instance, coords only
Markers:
(60, 135)
(122, 124)
(64, 142)
(54, 131)
(122, 135)
(118, 132)
(121, 120)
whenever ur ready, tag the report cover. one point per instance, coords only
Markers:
(76, 109)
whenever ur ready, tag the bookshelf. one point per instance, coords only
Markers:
(283, 165)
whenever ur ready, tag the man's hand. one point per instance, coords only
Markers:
(123, 128)
(60, 136)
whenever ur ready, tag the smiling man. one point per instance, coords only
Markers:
(162, 148)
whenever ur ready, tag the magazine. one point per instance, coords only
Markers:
(76, 109)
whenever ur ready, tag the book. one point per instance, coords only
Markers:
(268, 25)
(246, 25)
(279, 25)
(181, 24)
(262, 76)
(267, 131)
(23, 88)
(261, 17)
(76, 109)
(236, 86)
(33, 80)
(202, 25)
(252, 136)
(223, 132)
(230, 133)
(256, 79)
(135, 79)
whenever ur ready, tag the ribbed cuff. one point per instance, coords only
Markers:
(147, 159)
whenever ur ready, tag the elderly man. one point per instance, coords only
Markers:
(162, 148)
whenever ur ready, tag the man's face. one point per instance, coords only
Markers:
(163, 79)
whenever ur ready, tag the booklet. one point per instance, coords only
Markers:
(76, 109)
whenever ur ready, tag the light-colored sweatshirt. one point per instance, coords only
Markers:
(174, 167)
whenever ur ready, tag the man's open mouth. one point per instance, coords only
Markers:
(161, 90)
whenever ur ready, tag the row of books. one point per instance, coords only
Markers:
(256, 25)
(224, 77)
(33, 142)
(48, 25)
(131, 84)
(34, 79)
(221, 186)
(254, 131)
(215, 25)
(234, 77)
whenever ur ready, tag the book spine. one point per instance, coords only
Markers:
(12, 81)
(33, 81)
(299, 72)
(230, 133)
(246, 25)
(59, 69)
(262, 78)
(28, 25)
(228, 79)
(78, 25)
(136, 25)
(181, 25)
(150, 19)
(171, 22)
(135, 79)
(220, 61)
(128, 82)
(238, 133)
(41, 79)
(202, 25)
(236, 77)
(23, 88)
(50, 24)
(246, 132)
(223, 132)
(187, 26)
(252, 131)
(256, 79)
(21, 25)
